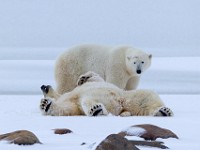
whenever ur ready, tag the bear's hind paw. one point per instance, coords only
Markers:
(97, 110)
(164, 111)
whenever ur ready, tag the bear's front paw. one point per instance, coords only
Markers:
(45, 105)
(96, 110)
(164, 111)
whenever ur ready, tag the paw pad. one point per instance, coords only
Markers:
(96, 110)
(164, 111)
(45, 104)
(83, 80)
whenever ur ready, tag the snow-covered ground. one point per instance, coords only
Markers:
(22, 112)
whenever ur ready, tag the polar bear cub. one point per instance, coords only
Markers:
(121, 65)
(94, 97)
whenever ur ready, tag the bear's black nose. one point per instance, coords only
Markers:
(139, 71)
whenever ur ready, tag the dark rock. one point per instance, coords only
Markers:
(149, 143)
(116, 142)
(62, 131)
(21, 137)
(148, 132)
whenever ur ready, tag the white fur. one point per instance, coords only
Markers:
(82, 99)
(117, 65)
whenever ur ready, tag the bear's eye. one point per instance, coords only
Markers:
(142, 62)
(134, 62)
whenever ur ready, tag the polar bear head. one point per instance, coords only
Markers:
(137, 62)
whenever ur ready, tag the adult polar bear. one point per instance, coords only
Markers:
(94, 97)
(120, 65)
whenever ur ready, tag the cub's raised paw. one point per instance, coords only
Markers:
(83, 79)
(89, 77)
(96, 110)
(164, 111)
(45, 105)
(45, 88)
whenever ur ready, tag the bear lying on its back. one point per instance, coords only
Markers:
(121, 66)
(94, 97)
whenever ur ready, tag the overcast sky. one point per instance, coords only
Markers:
(173, 24)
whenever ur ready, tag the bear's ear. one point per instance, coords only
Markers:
(150, 56)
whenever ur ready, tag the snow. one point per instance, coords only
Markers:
(137, 131)
(22, 112)
(173, 75)
(33, 33)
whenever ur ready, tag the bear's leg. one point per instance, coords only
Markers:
(125, 114)
(132, 83)
(118, 81)
(48, 91)
(54, 108)
(65, 81)
(163, 111)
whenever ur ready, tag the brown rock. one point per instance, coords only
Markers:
(116, 142)
(21, 137)
(149, 144)
(62, 131)
(148, 132)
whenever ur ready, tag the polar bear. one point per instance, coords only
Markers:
(120, 65)
(95, 97)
